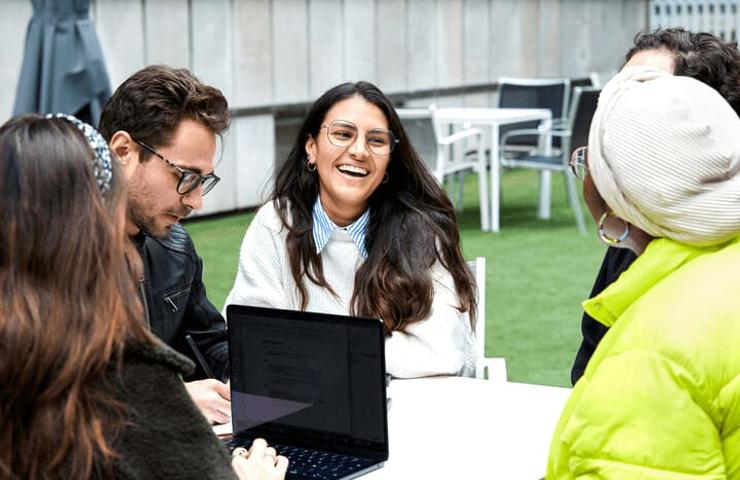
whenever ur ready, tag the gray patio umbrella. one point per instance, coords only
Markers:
(63, 68)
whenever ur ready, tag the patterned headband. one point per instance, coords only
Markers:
(102, 167)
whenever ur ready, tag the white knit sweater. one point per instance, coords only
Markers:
(442, 344)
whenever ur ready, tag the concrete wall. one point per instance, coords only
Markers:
(272, 52)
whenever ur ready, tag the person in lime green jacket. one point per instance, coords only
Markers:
(660, 398)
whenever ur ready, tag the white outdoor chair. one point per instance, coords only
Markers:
(445, 161)
(494, 367)
(573, 134)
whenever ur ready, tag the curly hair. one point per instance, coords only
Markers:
(702, 56)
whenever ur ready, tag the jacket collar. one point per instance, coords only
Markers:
(661, 258)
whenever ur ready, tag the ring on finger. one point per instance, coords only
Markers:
(239, 452)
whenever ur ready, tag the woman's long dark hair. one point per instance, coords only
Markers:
(68, 303)
(412, 225)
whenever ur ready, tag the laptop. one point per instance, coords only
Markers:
(312, 385)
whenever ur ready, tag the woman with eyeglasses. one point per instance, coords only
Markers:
(659, 398)
(86, 392)
(356, 225)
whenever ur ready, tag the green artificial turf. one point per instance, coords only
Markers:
(538, 272)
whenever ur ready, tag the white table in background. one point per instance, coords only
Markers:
(492, 118)
(462, 428)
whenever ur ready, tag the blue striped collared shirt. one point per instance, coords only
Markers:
(323, 228)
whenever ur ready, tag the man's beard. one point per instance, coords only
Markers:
(145, 223)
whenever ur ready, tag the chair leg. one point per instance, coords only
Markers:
(575, 203)
(451, 189)
(460, 185)
(543, 209)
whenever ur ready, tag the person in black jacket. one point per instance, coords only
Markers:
(163, 123)
(698, 55)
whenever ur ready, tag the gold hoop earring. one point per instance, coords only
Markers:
(310, 164)
(606, 238)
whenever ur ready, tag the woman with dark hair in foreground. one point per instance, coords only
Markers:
(85, 390)
(356, 225)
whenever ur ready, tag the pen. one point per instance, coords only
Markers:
(199, 356)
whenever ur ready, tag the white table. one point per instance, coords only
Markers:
(452, 427)
(492, 118)
(463, 428)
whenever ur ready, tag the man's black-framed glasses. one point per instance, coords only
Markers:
(189, 179)
(342, 133)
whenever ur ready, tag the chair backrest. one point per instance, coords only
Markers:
(582, 112)
(478, 268)
(533, 93)
(421, 131)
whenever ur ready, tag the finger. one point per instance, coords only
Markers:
(216, 416)
(240, 465)
(223, 390)
(220, 404)
(257, 450)
(240, 452)
(271, 452)
(281, 466)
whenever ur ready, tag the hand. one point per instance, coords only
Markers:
(212, 397)
(260, 463)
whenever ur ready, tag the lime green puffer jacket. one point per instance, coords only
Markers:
(660, 398)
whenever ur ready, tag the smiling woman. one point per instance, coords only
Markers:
(356, 225)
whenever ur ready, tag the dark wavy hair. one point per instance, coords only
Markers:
(412, 225)
(152, 102)
(701, 56)
(68, 300)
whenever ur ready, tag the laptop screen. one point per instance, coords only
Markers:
(308, 379)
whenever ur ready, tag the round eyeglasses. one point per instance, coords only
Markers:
(343, 134)
(189, 179)
(578, 162)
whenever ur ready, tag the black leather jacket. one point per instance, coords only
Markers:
(176, 301)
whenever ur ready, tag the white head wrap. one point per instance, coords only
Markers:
(664, 153)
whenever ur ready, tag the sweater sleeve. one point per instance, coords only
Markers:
(259, 278)
(442, 344)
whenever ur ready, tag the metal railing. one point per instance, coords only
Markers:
(718, 17)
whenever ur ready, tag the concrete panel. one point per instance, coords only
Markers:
(253, 80)
(211, 32)
(575, 36)
(423, 55)
(223, 196)
(120, 27)
(392, 51)
(359, 40)
(450, 42)
(476, 44)
(14, 18)
(290, 50)
(528, 13)
(254, 159)
(477, 100)
(167, 32)
(505, 39)
(326, 45)
(550, 48)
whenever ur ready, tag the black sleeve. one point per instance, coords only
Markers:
(205, 324)
(616, 261)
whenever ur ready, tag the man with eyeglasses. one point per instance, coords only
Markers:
(163, 123)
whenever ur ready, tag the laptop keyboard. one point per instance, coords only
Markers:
(315, 464)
